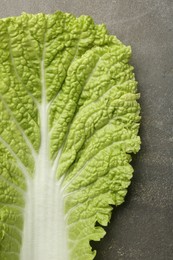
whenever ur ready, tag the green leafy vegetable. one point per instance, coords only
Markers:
(68, 121)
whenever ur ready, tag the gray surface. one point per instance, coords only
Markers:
(142, 228)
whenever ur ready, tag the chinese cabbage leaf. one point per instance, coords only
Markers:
(69, 120)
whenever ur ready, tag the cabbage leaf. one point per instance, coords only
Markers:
(69, 119)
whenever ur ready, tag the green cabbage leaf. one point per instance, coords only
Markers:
(69, 119)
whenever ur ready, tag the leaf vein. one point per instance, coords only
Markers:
(20, 165)
(25, 137)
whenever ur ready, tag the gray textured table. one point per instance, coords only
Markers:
(142, 228)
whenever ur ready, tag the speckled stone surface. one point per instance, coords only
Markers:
(142, 228)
